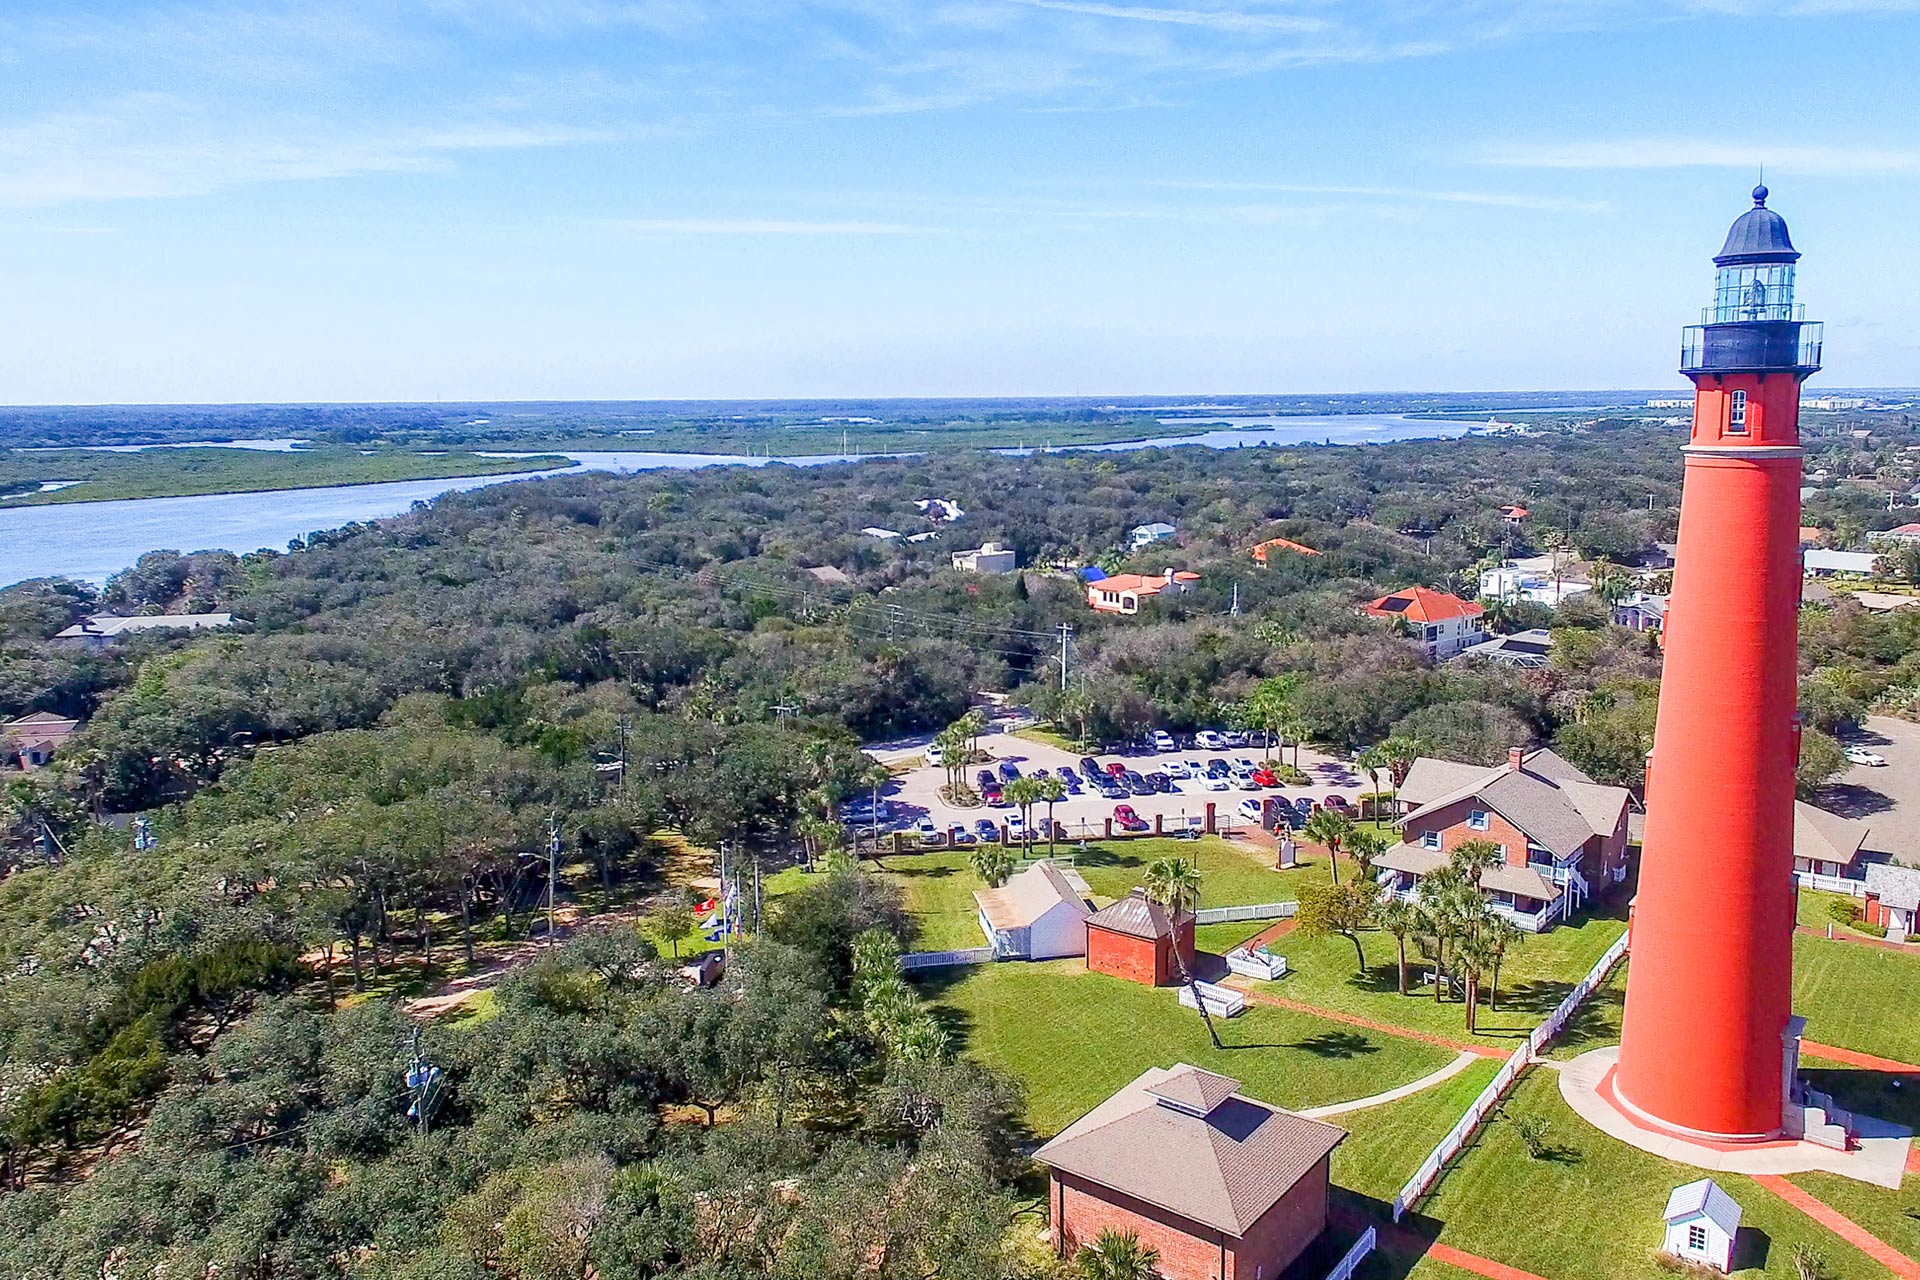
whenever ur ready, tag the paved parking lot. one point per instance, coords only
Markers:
(1886, 797)
(916, 793)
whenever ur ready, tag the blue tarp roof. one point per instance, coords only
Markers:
(1093, 573)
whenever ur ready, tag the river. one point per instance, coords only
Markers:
(93, 540)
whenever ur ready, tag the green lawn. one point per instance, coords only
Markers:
(940, 884)
(1535, 978)
(1858, 997)
(1591, 1209)
(1894, 1216)
(1072, 1037)
(1388, 1143)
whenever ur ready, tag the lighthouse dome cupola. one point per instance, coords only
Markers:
(1754, 324)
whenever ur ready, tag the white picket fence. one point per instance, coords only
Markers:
(1355, 1256)
(1264, 911)
(1831, 884)
(946, 959)
(1484, 1105)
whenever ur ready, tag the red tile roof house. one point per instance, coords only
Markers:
(1134, 939)
(1221, 1186)
(1123, 592)
(1442, 624)
(1261, 551)
(1563, 835)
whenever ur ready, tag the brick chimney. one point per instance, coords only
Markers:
(1516, 758)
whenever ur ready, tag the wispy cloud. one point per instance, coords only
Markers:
(764, 227)
(1489, 199)
(1690, 153)
(1231, 19)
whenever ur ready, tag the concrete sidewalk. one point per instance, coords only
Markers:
(1881, 1158)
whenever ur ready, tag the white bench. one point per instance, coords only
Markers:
(1261, 964)
(1224, 1001)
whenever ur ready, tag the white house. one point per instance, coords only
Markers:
(1534, 579)
(991, 558)
(885, 535)
(939, 509)
(1641, 611)
(1441, 624)
(1702, 1221)
(1039, 914)
(101, 630)
(1530, 649)
(1144, 535)
(1821, 562)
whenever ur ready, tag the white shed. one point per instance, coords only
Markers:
(1702, 1221)
(1040, 914)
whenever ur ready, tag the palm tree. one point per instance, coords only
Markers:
(1117, 1255)
(1374, 761)
(873, 779)
(1295, 730)
(1502, 933)
(1174, 883)
(1329, 827)
(1401, 751)
(1363, 845)
(993, 863)
(1398, 918)
(1052, 791)
(1270, 706)
(1473, 858)
(1474, 955)
(1023, 793)
(1609, 581)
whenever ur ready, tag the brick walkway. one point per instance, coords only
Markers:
(1808, 931)
(1411, 1244)
(1844, 1227)
(1278, 930)
(1246, 989)
(1853, 1058)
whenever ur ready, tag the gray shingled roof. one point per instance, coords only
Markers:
(1417, 861)
(1557, 806)
(1222, 1168)
(1194, 1089)
(1826, 836)
(1136, 915)
(1026, 897)
(1897, 886)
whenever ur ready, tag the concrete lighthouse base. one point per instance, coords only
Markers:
(1878, 1154)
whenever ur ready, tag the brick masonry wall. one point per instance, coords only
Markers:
(1121, 955)
(1081, 1211)
(1284, 1231)
(1451, 823)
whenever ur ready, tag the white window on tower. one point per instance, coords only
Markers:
(1737, 413)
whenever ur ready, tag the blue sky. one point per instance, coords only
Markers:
(420, 199)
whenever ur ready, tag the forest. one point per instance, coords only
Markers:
(204, 1057)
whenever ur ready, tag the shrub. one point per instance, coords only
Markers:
(1533, 1131)
(1809, 1263)
(1875, 930)
(1841, 909)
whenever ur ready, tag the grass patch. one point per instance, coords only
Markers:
(1072, 1037)
(1857, 997)
(1386, 1144)
(1894, 1216)
(1591, 1209)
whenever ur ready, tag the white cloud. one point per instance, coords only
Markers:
(1241, 20)
(763, 227)
(1490, 199)
(1689, 153)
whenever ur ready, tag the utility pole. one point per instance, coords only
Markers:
(553, 863)
(1235, 610)
(626, 728)
(1066, 649)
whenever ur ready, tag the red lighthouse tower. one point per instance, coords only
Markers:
(1709, 1047)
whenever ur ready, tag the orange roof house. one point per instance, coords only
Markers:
(1442, 624)
(1260, 552)
(1514, 514)
(1123, 592)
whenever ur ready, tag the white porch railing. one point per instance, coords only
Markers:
(1355, 1256)
(1489, 1099)
(1830, 884)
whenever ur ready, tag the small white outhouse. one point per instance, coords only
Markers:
(1702, 1221)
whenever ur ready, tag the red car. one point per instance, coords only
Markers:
(1337, 801)
(1128, 819)
(1116, 769)
(1265, 778)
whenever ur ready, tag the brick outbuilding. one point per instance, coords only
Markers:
(1221, 1186)
(1134, 939)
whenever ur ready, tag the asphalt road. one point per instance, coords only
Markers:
(1887, 797)
(916, 793)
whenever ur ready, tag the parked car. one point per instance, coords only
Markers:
(994, 797)
(1163, 741)
(985, 829)
(928, 833)
(1127, 819)
(1218, 768)
(1137, 784)
(1860, 755)
(1113, 791)
(1194, 769)
(1265, 778)
(1176, 769)
(1250, 810)
(1235, 737)
(1303, 806)
(1244, 764)
(1016, 829)
(1284, 817)
(1009, 770)
(1160, 782)
(960, 835)
(1116, 769)
(1337, 801)
(1071, 781)
(1218, 782)
(986, 779)
(1209, 740)
(1090, 768)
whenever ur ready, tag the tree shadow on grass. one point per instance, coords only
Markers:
(1334, 1044)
